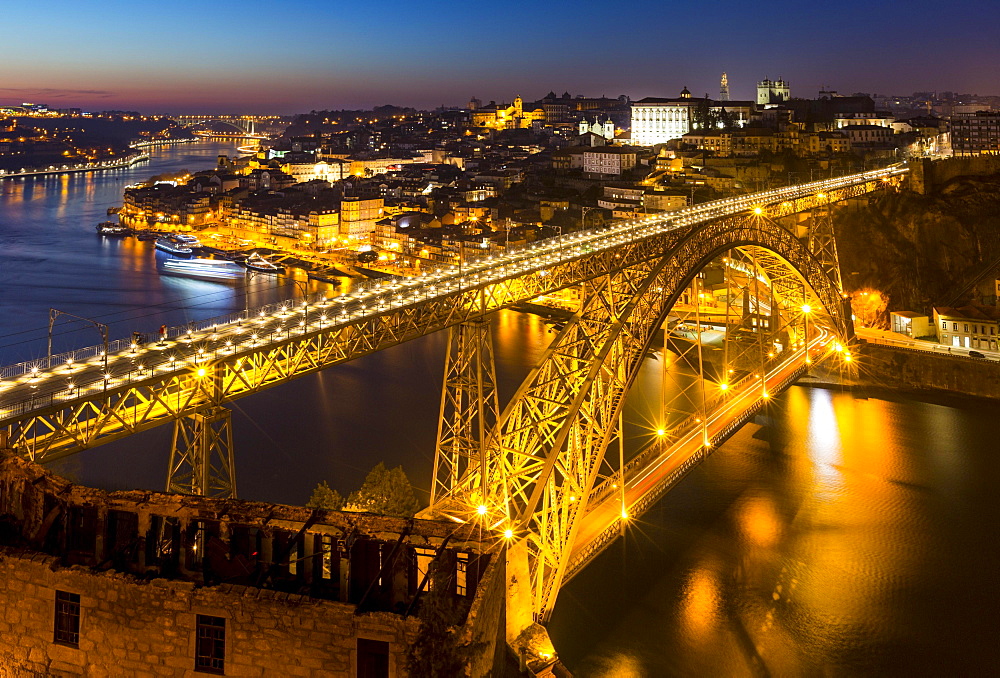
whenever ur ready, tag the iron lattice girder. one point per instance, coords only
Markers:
(201, 455)
(71, 424)
(469, 407)
(553, 434)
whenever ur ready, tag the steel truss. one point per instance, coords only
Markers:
(552, 436)
(822, 241)
(134, 396)
(469, 407)
(201, 455)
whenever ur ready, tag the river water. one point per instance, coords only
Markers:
(841, 534)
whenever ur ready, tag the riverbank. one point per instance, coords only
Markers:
(904, 370)
(122, 163)
(163, 142)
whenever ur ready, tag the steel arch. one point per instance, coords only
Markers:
(552, 436)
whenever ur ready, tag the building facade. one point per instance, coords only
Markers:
(609, 160)
(976, 133)
(973, 327)
(773, 92)
(659, 120)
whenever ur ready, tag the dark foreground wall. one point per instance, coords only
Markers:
(134, 628)
(911, 369)
(926, 175)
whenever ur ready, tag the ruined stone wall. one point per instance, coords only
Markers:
(485, 624)
(925, 174)
(298, 588)
(911, 369)
(134, 628)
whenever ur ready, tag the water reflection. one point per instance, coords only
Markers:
(841, 538)
(51, 258)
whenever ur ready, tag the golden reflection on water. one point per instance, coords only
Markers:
(700, 604)
(817, 544)
(759, 521)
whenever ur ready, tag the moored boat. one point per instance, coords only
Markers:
(170, 246)
(112, 229)
(256, 262)
(189, 240)
(323, 276)
(217, 270)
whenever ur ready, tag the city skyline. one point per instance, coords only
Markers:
(275, 59)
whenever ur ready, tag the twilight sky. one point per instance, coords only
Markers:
(296, 55)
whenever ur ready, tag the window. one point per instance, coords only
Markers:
(966, 326)
(67, 622)
(424, 556)
(210, 644)
(373, 658)
(954, 326)
(461, 574)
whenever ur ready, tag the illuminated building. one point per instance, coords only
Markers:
(976, 133)
(772, 92)
(658, 120)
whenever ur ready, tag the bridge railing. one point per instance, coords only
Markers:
(657, 447)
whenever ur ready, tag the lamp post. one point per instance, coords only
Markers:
(806, 310)
(101, 327)
(305, 298)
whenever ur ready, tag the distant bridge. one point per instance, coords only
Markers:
(546, 474)
(248, 124)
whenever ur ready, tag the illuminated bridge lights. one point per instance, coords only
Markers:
(541, 257)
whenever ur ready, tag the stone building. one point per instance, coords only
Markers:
(148, 584)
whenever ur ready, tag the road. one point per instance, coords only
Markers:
(887, 338)
(607, 513)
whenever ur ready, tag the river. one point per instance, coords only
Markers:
(843, 534)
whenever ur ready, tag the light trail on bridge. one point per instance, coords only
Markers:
(616, 507)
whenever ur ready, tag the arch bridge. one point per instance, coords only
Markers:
(248, 124)
(547, 475)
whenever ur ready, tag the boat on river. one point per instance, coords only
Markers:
(189, 240)
(256, 262)
(111, 229)
(171, 246)
(216, 270)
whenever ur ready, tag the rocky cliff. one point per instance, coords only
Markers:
(922, 250)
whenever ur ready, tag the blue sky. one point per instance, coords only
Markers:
(287, 57)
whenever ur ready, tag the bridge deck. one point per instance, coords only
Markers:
(53, 407)
(655, 468)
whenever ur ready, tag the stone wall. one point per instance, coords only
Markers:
(298, 588)
(926, 174)
(912, 369)
(485, 625)
(134, 628)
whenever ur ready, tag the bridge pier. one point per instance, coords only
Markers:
(201, 455)
(469, 409)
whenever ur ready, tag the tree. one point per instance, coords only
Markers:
(868, 307)
(436, 651)
(386, 492)
(367, 257)
(324, 497)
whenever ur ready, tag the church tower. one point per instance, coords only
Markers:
(724, 88)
